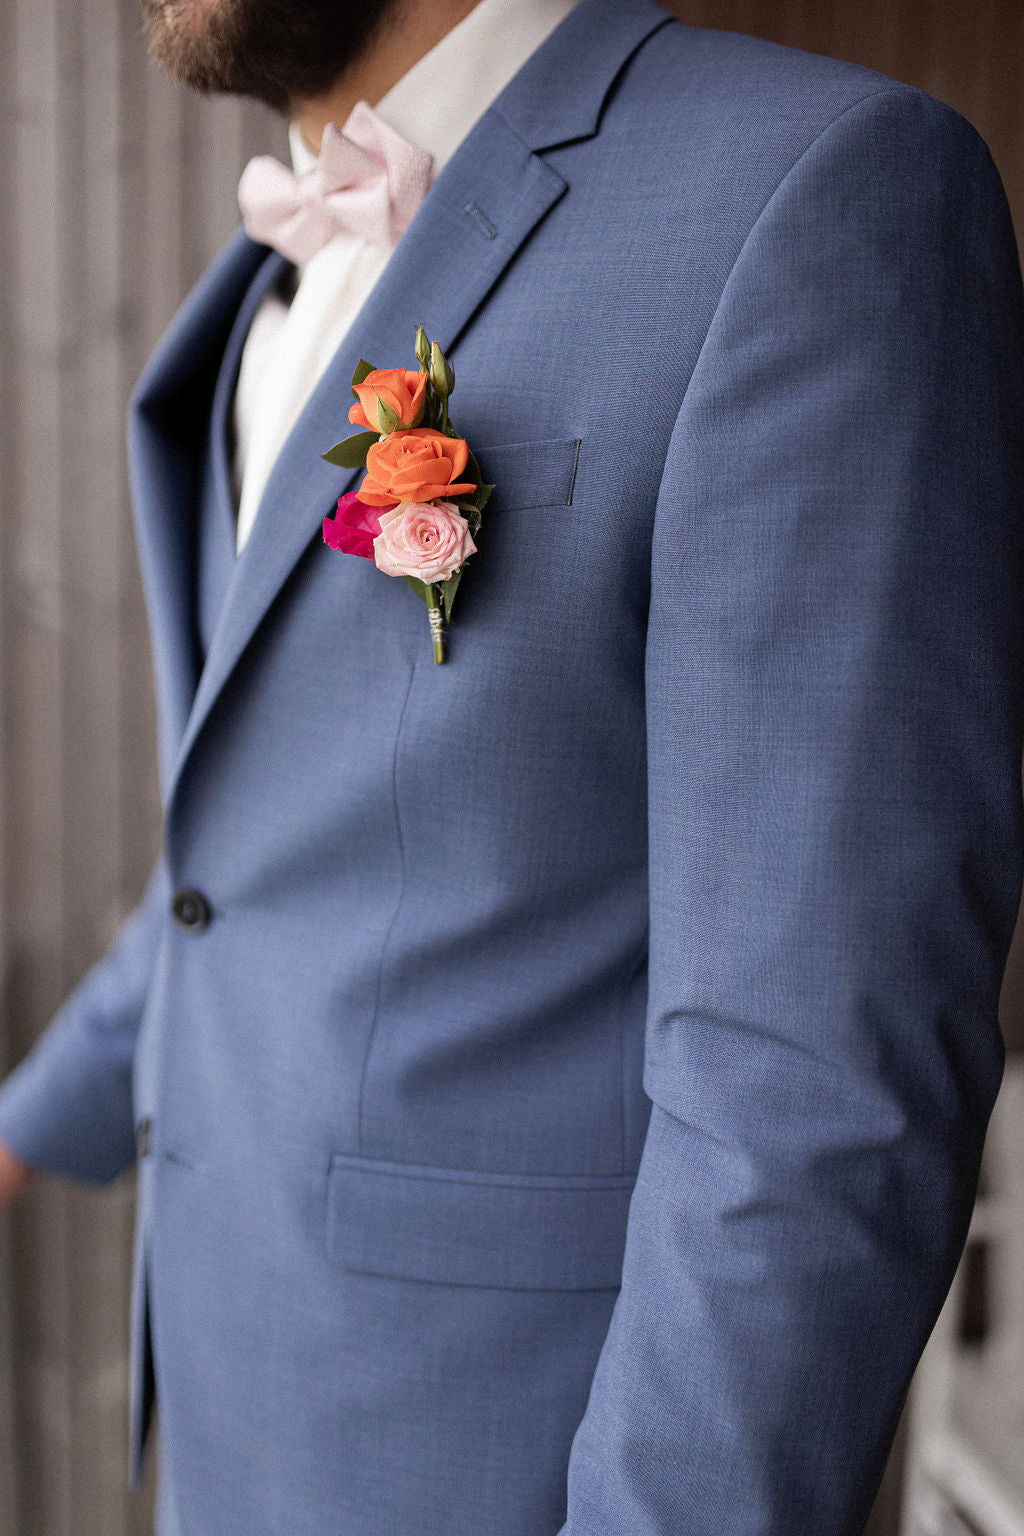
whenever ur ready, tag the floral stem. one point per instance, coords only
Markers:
(436, 624)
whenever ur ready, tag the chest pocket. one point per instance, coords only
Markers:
(528, 475)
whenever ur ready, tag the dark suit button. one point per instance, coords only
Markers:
(192, 910)
(142, 1131)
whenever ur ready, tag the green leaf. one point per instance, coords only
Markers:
(472, 507)
(362, 369)
(449, 589)
(351, 452)
(419, 587)
(474, 469)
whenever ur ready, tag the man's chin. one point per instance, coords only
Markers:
(292, 50)
(195, 42)
(223, 47)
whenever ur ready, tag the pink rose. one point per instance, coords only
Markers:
(428, 540)
(353, 527)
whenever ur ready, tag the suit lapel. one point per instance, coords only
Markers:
(488, 199)
(168, 424)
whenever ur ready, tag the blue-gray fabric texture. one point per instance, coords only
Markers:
(656, 937)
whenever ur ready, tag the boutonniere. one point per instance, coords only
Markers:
(416, 512)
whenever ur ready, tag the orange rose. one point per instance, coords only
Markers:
(421, 465)
(400, 389)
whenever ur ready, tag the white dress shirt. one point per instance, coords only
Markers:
(290, 345)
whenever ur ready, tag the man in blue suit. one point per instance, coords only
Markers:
(559, 1076)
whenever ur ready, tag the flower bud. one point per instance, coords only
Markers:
(422, 349)
(441, 376)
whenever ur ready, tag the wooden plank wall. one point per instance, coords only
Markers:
(116, 190)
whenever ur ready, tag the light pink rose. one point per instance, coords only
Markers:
(428, 540)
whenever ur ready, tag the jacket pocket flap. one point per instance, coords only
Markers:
(455, 1228)
(531, 474)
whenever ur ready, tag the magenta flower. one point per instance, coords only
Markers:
(354, 526)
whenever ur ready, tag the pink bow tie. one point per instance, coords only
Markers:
(368, 180)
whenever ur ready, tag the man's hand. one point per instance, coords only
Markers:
(14, 1175)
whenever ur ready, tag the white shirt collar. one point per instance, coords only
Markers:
(442, 96)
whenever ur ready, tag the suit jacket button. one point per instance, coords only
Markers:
(142, 1131)
(191, 910)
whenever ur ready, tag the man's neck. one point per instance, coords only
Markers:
(415, 28)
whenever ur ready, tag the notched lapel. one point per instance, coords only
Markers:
(481, 209)
(487, 201)
(167, 425)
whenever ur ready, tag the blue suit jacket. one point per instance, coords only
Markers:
(654, 938)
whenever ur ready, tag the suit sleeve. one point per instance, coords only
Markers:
(834, 706)
(67, 1109)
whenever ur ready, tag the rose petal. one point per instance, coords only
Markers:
(402, 389)
(418, 465)
(428, 542)
(353, 527)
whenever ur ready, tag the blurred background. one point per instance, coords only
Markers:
(115, 191)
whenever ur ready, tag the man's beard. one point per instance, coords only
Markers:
(278, 51)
